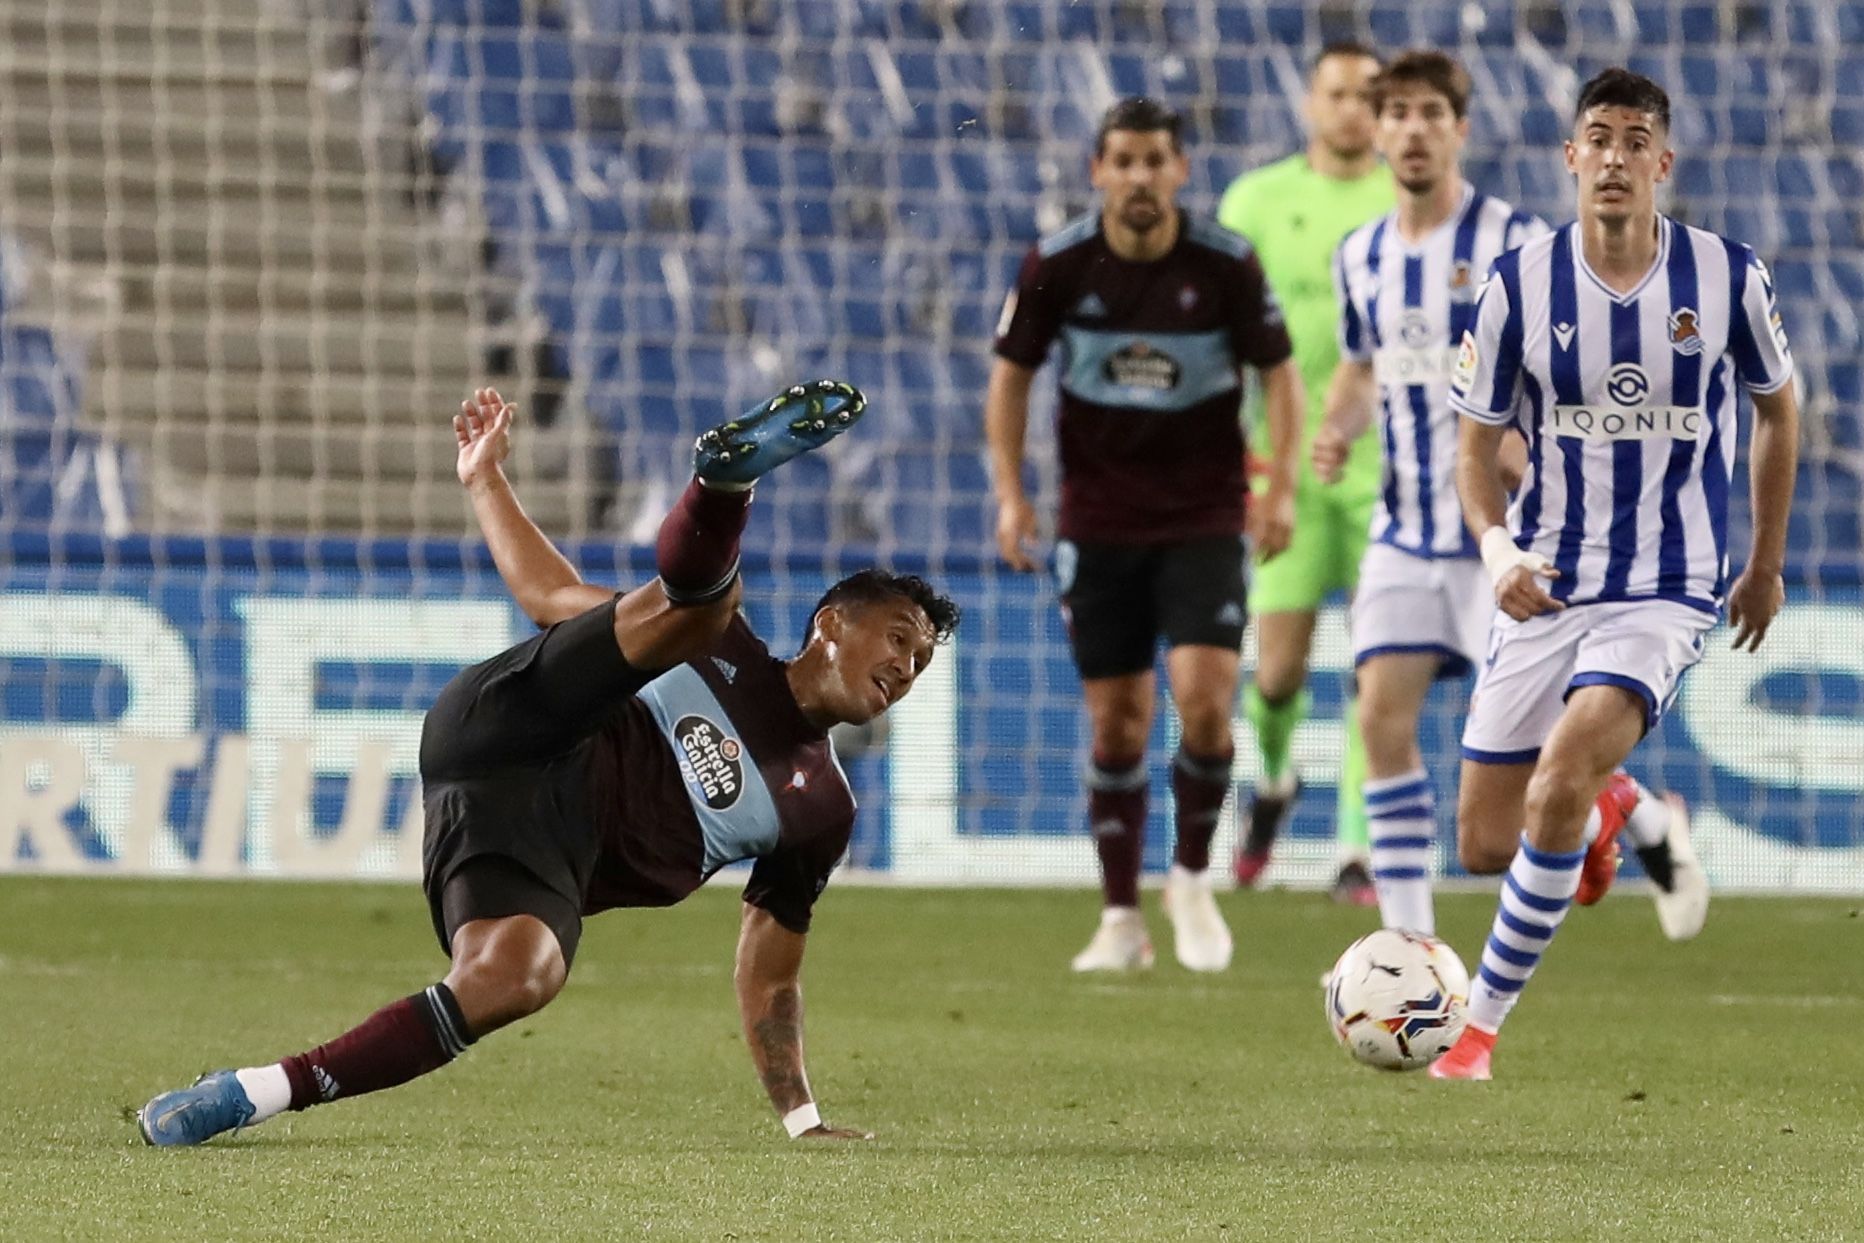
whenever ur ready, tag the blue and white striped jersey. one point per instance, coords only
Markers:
(1628, 405)
(1403, 308)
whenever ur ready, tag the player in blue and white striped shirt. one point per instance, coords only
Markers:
(1407, 286)
(1615, 345)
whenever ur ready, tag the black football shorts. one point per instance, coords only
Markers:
(505, 778)
(1119, 600)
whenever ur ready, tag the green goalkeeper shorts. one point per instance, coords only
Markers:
(1331, 526)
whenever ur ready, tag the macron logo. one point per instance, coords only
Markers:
(1563, 333)
(725, 667)
(1091, 307)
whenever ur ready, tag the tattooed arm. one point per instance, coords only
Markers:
(770, 1000)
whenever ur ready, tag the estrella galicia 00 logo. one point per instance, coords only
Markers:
(711, 762)
(1140, 365)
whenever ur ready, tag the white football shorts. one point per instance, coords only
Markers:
(1440, 605)
(1645, 646)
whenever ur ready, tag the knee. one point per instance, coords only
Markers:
(1557, 798)
(1278, 681)
(495, 989)
(1483, 855)
(683, 632)
(1120, 737)
(1206, 728)
(1387, 735)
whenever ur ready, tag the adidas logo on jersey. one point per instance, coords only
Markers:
(1091, 307)
(326, 1086)
(1231, 614)
(726, 668)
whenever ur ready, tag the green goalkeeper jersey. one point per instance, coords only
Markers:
(1295, 218)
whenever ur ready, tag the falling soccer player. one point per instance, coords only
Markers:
(618, 759)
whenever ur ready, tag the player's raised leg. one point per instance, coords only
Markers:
(1203, 686)
(1400, 800)
(1596, 732)
(1658, 829)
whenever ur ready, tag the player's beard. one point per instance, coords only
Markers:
(1350, 155)
(1142, 213)
(1422, 181)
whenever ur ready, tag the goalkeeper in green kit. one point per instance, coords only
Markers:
(1295, 212)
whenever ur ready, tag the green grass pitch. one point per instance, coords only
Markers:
(1647, 1091)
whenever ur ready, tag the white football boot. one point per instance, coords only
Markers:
(1199, 936)
(1119, 944)
(1682, 910)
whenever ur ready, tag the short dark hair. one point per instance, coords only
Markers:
(1142, 115)
(1341, 47)
(875, 586)
(1621, 88)
(1428, 68)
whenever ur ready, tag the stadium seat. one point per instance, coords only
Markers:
(855, 181)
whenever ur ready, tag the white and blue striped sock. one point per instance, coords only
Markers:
(1536, 894)
(1402, 815)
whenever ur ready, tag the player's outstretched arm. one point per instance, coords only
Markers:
(1352, 401)
(542, 581)
(770, 1001)
(1006, 423)
(1271, 517)
(1773, 465)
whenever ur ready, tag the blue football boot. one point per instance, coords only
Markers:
(800, 418)
(214, 1105)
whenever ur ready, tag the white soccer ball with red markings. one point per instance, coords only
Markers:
(1397, 1000)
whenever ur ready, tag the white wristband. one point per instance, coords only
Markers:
(802, 1118)
(1500, 555)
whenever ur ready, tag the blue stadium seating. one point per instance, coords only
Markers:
(42, 448)
(878, 230)
(694, 191)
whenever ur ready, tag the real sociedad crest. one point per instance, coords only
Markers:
(1463, 287)
(1685, 336)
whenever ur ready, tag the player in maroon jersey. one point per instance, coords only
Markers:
(636, 746)
(1159, 315)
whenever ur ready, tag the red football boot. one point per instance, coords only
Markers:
(1468, 1058)
(1600, 868)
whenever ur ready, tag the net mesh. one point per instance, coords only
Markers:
(252, 253)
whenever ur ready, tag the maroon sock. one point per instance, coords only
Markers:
(697, 552)
(399, 1042)
(1199, 784)
(1116, 813)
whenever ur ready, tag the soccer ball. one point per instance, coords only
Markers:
(1396, 999)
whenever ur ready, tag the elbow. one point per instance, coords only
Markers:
(537, 608)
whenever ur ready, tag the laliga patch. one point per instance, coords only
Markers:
(1467, 359)
(711, 761)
